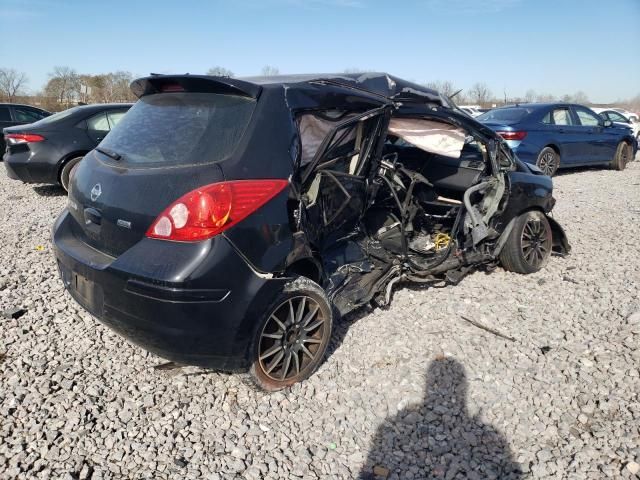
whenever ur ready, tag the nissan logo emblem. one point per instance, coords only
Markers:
(96, 191)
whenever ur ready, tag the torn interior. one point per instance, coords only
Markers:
(419, 207)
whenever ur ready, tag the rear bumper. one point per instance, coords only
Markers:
(29, 167)
(192, 303)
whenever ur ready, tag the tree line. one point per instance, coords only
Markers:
(66, 87)
(481, 94)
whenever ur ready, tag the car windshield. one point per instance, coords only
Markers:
(183, 128)
(505, 115)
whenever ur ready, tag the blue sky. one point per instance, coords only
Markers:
(551, 46)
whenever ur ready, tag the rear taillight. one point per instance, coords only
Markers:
(210, 210)
(508, 135)
(14, 138)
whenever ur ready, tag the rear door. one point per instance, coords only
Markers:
(560, 126)
(335, 182)
(98, 127)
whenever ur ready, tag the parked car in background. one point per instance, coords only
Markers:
(630, 121)
(471, 110)
(46, 151)
(560, 135)
(15, 114)
(631, 115)
(224, 221)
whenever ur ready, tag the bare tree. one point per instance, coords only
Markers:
(11, 83)
(445, 87)
(480, 93)
(218, 71)
(64, 85)
(269, 71)
(120, 82)
(354, 70)
(580, 97)
(545, 97)
(530, 96)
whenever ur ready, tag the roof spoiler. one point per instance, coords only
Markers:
(194, 83)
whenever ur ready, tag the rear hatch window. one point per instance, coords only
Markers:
(181, 128)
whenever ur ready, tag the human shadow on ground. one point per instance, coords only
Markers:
(439, 439)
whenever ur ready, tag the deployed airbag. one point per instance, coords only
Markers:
(434, 137)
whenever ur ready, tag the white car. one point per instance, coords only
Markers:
(471, 110)
(628, 114)
(615, 115)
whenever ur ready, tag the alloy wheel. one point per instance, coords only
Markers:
(536, 242)
(292, 338)
(548, 163)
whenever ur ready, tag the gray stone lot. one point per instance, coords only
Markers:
(413, 391)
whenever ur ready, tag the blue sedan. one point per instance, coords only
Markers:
(559, 135)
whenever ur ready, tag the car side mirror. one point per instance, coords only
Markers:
(607, 123)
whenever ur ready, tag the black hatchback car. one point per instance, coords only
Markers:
(227, 223)
(46, 151)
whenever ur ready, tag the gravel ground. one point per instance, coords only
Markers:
(413, 391)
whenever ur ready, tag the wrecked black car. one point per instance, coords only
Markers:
(228, 222)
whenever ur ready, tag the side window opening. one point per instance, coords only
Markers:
(313, 128)
(26, 115)
(561, 116)
(98, 123)
(336, 157)
(586, 118)
(115, 117)
(346, 147)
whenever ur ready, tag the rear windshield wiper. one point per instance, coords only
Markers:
(112, 155)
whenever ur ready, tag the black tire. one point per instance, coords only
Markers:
(622, 156)
(65, 173)
(528, 247)
(548, 161)
(293, 336)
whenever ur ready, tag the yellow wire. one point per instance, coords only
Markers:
(441, 241)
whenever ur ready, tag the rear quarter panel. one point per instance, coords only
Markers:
(526, 191)
(538, 137)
